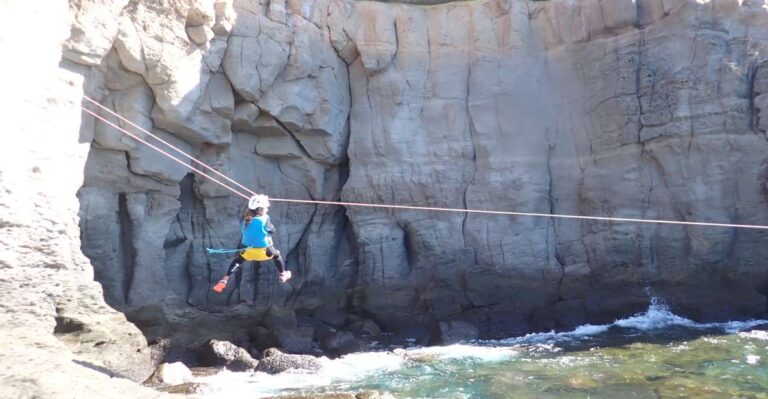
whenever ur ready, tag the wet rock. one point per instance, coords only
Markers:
(222, 353)
(262, 338)
(374, 395)
(415, 334)
(417, 357)
(498, 321)
(340, 343)
(280, 316)
(332, 316)
(360, 395)
(365, 327)
(204, 371)
(185, 389)
(452, 332)
(274, 361)
(703, 303)
(295, 340)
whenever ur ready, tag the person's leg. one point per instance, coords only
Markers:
(233, 267)
(236, 263)
(284, 275)
(277, 257)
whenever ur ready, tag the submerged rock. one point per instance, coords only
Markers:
(339, 343)
(341, 395)
(186, 388)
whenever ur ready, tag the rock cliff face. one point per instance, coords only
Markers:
(645, 109)
(58, 337)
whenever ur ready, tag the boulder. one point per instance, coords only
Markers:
(374, 395)
(340, 343)
(94, 27)
(262, 338)
(274, 361)
(365, 327)
(223, 353)
(280, 317)
(295, 340)
(172, 374)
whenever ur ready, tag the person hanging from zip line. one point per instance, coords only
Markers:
(257, 231)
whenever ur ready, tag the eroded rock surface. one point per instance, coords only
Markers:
(651, 109)
(59, 338)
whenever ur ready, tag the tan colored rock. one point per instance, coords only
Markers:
(375, 37)
(619, 14)
(276, 11)
(94, 26)
(134, 104)
(129, 47)
(59, 337)
(200, 34)
(341, 26)
(245, 116)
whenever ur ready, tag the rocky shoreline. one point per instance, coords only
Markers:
(647, 109)
(583, 107)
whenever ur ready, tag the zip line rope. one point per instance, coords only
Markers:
(372, 205)
(164, 142)
(135, 137)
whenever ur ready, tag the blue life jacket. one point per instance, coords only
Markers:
(256, 234)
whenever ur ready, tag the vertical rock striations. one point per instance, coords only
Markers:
(646, 109)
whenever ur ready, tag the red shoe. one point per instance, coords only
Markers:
(221, 284)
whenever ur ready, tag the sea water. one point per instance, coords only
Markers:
(655, 354)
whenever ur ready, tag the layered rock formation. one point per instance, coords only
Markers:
(646, 109)
(641, 109)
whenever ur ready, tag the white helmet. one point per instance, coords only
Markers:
(258, 201)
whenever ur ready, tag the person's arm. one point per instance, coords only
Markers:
(269, 226)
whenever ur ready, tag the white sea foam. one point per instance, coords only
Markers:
(352, 367)
(738, 326)
(358, 366)
(656, 317)
(579, 332)
(761, 335)
(483, 353)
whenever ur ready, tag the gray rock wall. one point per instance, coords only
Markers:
(649, 109)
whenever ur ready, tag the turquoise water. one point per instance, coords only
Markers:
(651, 355)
